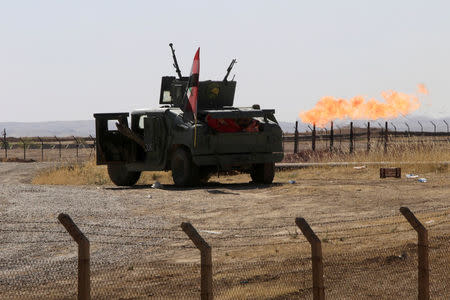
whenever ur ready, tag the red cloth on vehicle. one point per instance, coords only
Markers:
(253, 127)
(223, 125)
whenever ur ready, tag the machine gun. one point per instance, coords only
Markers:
(175, 62)
(225, 79)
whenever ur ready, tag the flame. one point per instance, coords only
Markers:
(422, 89)
(330, 108)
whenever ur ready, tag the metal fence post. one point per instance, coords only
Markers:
(93, 144)
(331, 137)
(93, 140)
(351, 137)
(5, 143)
(434, 125)
(368, 136)
(421, 126)
(446, 125)
(316, 253)
(340, 138)
(385, 137)
(395, 128)
(42, 148)
(422, 252)
(407, 126)
(313, 138)
(84, 272)
(205, 258)
(296, 138)
(24, 149)
(59, 146)
(77, 145)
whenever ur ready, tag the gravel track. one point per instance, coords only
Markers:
(30, 232)
(118, 221)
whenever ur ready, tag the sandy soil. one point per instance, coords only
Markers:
(352, 211)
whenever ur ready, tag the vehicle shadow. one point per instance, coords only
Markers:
(210, 187)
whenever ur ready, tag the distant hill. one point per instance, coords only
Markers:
(52, 128)
(287, 126)
(87, 127)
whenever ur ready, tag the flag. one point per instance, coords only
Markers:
(192, 88)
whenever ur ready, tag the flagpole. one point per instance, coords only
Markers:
(195, 132)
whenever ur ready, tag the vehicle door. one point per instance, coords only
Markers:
(111, 145)
(155, 137)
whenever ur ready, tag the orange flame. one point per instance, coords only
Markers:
(329, 108)
(422, 89)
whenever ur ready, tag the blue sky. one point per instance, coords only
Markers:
(65, 60)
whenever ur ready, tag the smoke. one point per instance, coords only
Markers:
(359, 108)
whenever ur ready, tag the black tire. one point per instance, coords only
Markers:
(184, 171)
(263, 173)
(120, 176)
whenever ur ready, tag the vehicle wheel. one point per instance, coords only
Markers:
(263, 173)
(184, 171)
(121, 176)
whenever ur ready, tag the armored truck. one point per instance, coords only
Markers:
(222, 138)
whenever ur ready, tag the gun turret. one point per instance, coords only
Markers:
(229, 69)
(175, 62)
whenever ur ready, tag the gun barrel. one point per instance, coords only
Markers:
(175, 62)
(229, 69)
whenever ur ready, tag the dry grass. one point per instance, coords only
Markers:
(428, 157)
(88, 173)
(349, 172)
(420, 151)
(401, 153)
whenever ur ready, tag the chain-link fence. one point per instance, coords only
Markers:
(372, 257)
(363, 137)
(386, 273)
(47, 148)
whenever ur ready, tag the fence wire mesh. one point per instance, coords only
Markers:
(363, 258)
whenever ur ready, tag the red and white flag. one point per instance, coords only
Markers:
(192, 88)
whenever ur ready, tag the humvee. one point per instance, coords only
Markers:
(223, 138)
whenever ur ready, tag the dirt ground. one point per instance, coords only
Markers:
(258, 252)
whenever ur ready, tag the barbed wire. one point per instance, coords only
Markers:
(35, 242)
(441, 212)
(28, 222)
(205, 231)
(236, 237)
(147, 244)
(433, 210)
(33, 231)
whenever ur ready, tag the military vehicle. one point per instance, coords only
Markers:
(222, 138)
